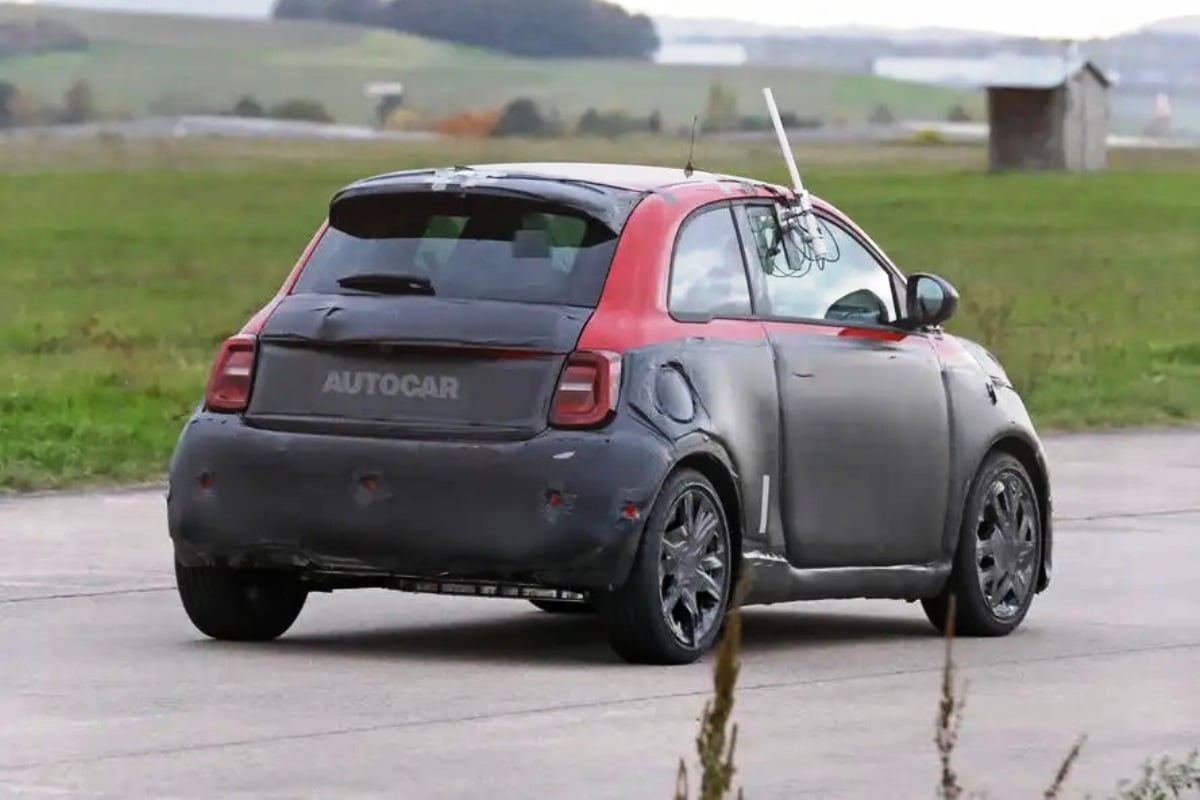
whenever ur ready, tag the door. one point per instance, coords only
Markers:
(864, 415)
(724, 355)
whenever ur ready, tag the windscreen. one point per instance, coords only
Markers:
(467, 247)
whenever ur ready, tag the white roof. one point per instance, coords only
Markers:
(701, 53)
(384, 88)
(1003, 70)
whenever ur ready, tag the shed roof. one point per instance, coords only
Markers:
(1003, 70)
(1037, 72)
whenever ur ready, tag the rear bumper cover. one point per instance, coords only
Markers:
(550, 511)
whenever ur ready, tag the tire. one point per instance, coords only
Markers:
(563, 607)
(636, 615)
(240, 606)
(1001, 483)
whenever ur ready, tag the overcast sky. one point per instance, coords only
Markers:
(1032, 17)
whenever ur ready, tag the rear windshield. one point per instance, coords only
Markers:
(474, 247)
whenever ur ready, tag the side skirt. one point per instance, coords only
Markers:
(774, 580)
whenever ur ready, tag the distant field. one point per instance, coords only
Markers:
(124, 267)
(142, 62)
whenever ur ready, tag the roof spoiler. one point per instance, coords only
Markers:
(610, 206)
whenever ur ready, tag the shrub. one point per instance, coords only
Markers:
(612, 124)
(300, 108)
(469, 123)
(79, 103)
(958, 114)
(882, 115)
(792, 120)
(249, 107)
(19, 109)
(927, 136)
(720, 108)
(8, 99)
(404, 119)
(522, 117)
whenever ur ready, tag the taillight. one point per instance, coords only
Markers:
(587, 390)
(232, 373)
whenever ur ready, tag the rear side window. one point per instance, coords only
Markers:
(708, 273)
(474, 247)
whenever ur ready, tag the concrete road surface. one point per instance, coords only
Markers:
(106, 691)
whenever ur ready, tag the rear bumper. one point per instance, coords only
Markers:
(548, 511)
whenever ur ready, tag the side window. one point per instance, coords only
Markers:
(849, 285)
(708, 274)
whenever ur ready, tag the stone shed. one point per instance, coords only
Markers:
(1047, 113)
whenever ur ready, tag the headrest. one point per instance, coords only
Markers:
(531, 244)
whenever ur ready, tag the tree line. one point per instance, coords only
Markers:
(531, 28)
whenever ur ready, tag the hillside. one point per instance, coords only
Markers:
(1182, 26)
(153, 63)
(676, 28)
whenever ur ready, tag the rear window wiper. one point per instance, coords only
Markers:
(388, 283)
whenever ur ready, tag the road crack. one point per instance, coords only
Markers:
(75, 595)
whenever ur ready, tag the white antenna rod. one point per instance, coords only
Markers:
(805, 199)
(783, 141)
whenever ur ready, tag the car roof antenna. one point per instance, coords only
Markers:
(802, 210)
(690, 168)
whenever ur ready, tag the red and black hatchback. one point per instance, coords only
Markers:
(605, 388)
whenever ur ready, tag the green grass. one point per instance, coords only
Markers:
(141, 62)
(123, 270)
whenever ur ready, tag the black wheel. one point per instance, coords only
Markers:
(564, 607)
(238, 605)
(996, 566)
(673, 606)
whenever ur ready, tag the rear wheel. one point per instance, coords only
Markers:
(672, 608)
(240, 605)
(563, 607)
(995, 572)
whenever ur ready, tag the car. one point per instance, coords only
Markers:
(616, 389)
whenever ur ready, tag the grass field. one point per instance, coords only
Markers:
(141, 62)
(123, 270)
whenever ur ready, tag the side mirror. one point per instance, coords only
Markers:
(931, 301)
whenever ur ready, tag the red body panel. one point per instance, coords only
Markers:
(255, 323)
(633, 308)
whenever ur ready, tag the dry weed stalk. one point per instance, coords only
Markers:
(949, 722)
(949, 718)
(716, 743)
(1064, 770)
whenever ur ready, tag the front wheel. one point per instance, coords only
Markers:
(671, 609)
(240, 605)
(996, 566)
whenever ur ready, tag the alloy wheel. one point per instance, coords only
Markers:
(1006, 553)
(693, 569)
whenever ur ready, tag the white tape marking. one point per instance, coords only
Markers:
(766, 504)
